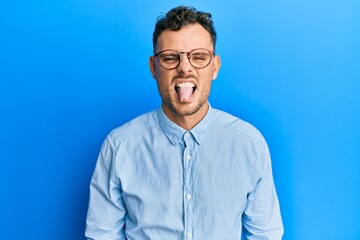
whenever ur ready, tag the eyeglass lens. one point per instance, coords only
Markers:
(170, 59)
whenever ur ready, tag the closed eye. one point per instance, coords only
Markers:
(169, 58)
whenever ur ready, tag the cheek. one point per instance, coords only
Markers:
(163, 82)
(207, 79)
(163, 77)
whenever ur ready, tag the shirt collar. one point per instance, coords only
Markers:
(175, 133)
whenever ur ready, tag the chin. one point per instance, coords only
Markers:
(186, 109)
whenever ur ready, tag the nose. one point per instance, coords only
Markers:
(184, 65)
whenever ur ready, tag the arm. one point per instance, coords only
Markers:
(261, 218)
(106, 212)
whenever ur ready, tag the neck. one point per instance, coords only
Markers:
(186, 122)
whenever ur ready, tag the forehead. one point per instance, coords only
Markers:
(187, 38)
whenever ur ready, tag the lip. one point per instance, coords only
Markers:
(185, 80)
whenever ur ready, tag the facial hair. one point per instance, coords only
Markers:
(176, 106)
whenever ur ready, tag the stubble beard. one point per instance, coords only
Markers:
(183, 109)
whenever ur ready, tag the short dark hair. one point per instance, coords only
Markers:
(181, 16)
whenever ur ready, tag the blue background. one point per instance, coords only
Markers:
(70, 71)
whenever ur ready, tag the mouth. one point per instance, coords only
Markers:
(185, 91)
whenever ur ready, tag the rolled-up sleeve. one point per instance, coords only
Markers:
(262, 219)
(106, 212)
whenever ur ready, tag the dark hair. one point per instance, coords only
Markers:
(181, 16)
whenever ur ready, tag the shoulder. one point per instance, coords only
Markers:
(238, 131)
(245, 137)
(135, 127)
(232, 123)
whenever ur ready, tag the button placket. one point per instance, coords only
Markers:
(188, 205)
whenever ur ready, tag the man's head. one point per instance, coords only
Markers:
(181, 16)
(184, 64)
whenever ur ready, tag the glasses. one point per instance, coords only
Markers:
(198, 58)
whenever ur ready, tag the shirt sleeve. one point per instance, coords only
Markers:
(106, 213)
(262, 218)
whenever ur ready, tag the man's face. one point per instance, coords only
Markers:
(179, 102)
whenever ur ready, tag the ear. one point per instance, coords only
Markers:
(152, 66)
(216, 66)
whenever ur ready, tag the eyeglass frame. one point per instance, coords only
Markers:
(212, 54)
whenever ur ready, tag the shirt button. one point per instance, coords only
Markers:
(187, 135)
(188, 157)
(189, 235)
(188, 196)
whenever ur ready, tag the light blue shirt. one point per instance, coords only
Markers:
(155, 180)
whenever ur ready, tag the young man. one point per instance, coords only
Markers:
(185, 170)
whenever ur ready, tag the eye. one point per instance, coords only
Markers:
(199, 57)
(169, 58)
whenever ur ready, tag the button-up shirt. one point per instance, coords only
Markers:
(155, 180)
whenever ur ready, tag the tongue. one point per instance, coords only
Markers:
(185, 93)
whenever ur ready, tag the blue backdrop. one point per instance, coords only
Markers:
(70, 71)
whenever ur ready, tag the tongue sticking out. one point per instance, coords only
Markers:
(185, 93)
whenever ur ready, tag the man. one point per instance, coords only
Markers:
(185, 170)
